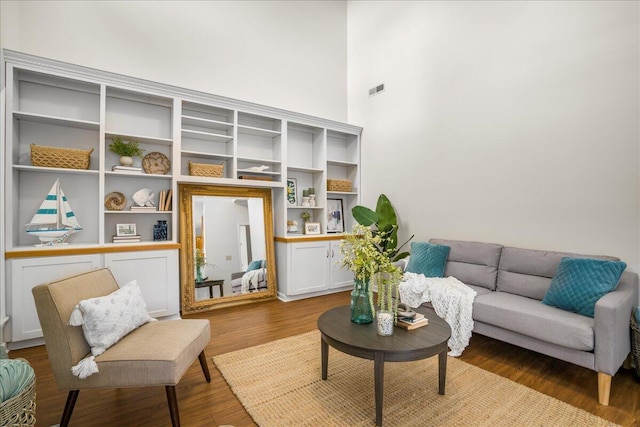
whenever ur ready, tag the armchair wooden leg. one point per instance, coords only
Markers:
(68, 407)
(604, 388)
(205, 368)
(173, 405)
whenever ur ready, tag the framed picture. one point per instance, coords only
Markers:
(125, 229)
(335, 216)
(292, 192)
(312, 228)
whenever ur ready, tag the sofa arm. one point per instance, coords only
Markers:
(612, 331)
(237, 275)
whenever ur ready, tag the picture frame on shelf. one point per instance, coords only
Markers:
(292, 192)
(125, 230)
(335, 216)
(312, 228)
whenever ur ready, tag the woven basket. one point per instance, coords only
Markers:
(54, 157)
(338, 185)
(20, 410)
(204, 169)
(635, 343)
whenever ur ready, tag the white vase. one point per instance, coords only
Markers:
(126, 161)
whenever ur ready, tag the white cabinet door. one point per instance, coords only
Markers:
(27, 273)
(309, 267)
(340, 276)
(156, 273)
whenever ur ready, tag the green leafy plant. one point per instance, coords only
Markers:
(361, 255)
(200, 260)
(306, 216)
(127, 149)
(384, 223)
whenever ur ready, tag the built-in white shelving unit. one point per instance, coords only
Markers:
(62, 105)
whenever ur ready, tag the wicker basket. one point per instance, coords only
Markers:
(338, 185)
(635, 343)
(204, 169)
(54, 157)
(20, 410)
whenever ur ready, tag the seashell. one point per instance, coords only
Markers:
(115, 201)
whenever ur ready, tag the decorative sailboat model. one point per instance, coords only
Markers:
(55, 220)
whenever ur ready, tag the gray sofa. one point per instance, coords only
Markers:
(236, 281)
(510, 284)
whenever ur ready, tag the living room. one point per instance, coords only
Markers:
(509, 122)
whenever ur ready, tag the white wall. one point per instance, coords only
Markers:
(289, 55)
(508, 122)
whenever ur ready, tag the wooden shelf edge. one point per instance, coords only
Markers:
(308, 238)
(48, 252)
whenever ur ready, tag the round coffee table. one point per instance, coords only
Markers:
(339, 332)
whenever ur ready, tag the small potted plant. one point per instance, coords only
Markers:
(126, 150)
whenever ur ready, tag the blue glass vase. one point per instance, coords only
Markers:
(160, 231)
(360, 302)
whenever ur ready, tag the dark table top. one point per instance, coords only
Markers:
(337, 326)
(212, 282)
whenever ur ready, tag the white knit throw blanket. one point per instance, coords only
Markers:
(250, 280)
(451, 299)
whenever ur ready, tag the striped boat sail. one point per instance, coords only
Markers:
(54, 221)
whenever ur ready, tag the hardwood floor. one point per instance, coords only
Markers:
(235, 328)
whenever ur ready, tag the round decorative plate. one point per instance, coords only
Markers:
(115, 201)
(156, 163)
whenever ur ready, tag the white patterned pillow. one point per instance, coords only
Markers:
(105, 320)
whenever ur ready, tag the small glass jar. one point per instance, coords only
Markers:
(384, 323)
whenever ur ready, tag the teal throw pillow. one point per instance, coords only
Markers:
(428, 259)
(580, 282)
(255, 265)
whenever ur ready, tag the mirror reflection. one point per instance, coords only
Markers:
(227, 238)
(230, 245)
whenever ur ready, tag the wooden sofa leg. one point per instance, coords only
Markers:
(68, 407)
(604, 388)
(205, 368)
(173, 405)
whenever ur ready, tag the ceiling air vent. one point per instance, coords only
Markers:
(376, 90)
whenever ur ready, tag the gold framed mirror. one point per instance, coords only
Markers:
(227, 256)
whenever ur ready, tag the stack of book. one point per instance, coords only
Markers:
(126, 169)
(126, 239)
(136, 208)
(410, 323)
(165, 200)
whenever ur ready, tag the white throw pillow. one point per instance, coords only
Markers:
(105, 320)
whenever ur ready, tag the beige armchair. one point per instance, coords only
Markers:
(155, 354)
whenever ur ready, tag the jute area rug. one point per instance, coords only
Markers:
(279, 384)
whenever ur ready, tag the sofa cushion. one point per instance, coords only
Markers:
(580, 282)
(530, 317)
(428, 259)
(473, 263)
(254, 265)
(528, 272)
